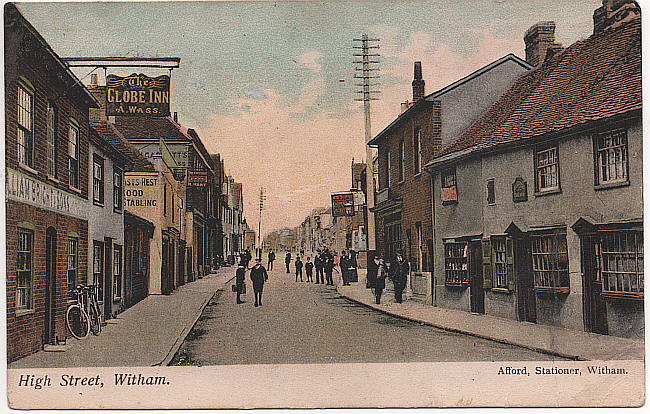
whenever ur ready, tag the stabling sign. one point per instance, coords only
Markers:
(342, 205)
(197, 178)
(137, 94)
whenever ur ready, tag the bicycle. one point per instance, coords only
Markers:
(76, 318)
(92, 306)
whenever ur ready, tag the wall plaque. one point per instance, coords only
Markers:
(519, 190)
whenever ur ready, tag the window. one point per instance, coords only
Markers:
(500, 263)
(401, 161)
(25, 125)
(165, 200)
(52, 154)
(456, 264)
(620, 263)
(117, 189)
(611, 157)
(98, 269)
(25, 270)
(388, 180)
(417, 151)
(550, 263)
(73, 262)
(491, 196)
(98, 179)
(393, 235)
(548, 171)
(449, 191)
(117, 272)
(73, 156)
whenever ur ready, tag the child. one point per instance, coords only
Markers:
(309, 268)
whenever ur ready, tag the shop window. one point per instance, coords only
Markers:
(491, 196)
(52, 154)
(401, 165)
(417, 151)
(498, 263)
(98, 180)
(550, 263)
(547, 165)
(25, 270)
(73, 263)
(73, 156)
(456, 273)
(620, 264)
(117, 190)
(611, 157)
(25, 125)
(117, 272)
(98, 269)
(449, 191)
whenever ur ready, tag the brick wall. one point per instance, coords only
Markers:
(25, 332)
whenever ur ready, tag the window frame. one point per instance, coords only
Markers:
(52, 144)
(117, 272)
(26, 87)
(599, 182)
(540, 149)
(401, 170)
(456, 276)
(603, 275)
(493, 200)
(74, 174)
(452, 196)
(73, 241)
(99, 276)
(118, 188)
(556, 275)
(29, 286)
(417, 151)
(99, 184)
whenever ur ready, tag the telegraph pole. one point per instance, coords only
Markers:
(259, 225)
(368, 73)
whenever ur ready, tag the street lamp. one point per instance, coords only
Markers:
(349, 209)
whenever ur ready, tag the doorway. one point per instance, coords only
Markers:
(108, 279)
(526, 300)
(595, 311)
(50, 286)
(477, 294)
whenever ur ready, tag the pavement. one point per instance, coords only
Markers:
(147, 334)
(553, 340)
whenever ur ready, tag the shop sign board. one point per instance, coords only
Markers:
(342, 204)
(141, 192)
(137, 94)
(178, 151)
(197, 178)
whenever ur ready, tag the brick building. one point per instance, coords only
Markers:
(46, 156)
(403, 201)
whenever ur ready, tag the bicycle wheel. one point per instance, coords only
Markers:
(95, 320)
(77, 322)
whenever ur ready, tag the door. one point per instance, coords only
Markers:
(165, 272)
(595, 311)
(477, 294)
(526, 300)
(50, 286)
(108, 277)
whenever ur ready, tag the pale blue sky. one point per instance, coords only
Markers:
(239, 59)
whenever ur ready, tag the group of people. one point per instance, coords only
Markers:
(325, 262)
(379, 271)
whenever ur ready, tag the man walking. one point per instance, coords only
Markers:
(345, 272)
(258, 277)
(318, 263)
(380, 280)
(309, 269)
(239, 280)
(400, 272)
(329, 266)
(287, 260)
(271, 259)
(298, 268)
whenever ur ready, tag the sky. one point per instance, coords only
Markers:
(269, 85)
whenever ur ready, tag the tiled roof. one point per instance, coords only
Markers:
(136, 128)
(110, 134)
(592, 79)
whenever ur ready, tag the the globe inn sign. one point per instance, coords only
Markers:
(137, 94)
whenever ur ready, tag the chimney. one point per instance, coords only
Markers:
(418, 83)
(99, 92)
(538, 39)
(176, 117)
(614, 13)
(93, 80)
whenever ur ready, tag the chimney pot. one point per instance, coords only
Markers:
(614, 13)
(418, 82)
(94, 80)
(175, 116)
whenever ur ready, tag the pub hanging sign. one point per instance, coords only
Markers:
(137, 94)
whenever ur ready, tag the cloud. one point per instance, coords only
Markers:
(309, 59)
(199, 84)
(255, 94)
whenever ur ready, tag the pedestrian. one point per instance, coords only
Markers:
(248, 257)
(298, 268)
(380, 280)
(352, 266)
(371, 275)
(309, 270)
(287, 260)
(318, 264)
(239, 280)
(329, 266)
(258, 277)
(343, 264)
(399, 273)
(271, 259)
